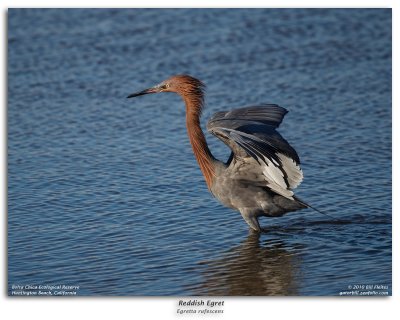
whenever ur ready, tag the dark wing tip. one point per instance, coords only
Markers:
(270, 114)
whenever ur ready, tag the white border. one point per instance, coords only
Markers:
(165, 308)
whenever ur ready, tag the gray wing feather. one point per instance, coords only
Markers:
(269, 114)
(250, 133)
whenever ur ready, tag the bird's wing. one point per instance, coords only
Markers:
(270, 114)
(258, 147)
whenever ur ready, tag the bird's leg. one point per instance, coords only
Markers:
(250, 216)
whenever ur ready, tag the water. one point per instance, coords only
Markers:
(104, 192)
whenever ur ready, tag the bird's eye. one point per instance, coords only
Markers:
(163, 87)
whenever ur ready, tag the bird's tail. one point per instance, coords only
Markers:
(308, 206)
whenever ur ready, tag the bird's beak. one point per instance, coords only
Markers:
(140, 93)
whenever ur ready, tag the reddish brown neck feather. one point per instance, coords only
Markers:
(197, 139)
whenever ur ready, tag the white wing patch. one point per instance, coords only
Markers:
(275, 175)
(281, 173)
(293, 171)
(275, 178)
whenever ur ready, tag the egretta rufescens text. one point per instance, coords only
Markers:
(263, 169)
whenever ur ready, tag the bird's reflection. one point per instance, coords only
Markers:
(254, 268)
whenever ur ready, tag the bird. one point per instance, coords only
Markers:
(263, 168)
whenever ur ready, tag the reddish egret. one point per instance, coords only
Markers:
(263, 168)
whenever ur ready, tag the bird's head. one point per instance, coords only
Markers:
(184, 85)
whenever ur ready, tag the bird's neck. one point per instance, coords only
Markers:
(198, 141)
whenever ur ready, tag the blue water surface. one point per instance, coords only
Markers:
(104, 193)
